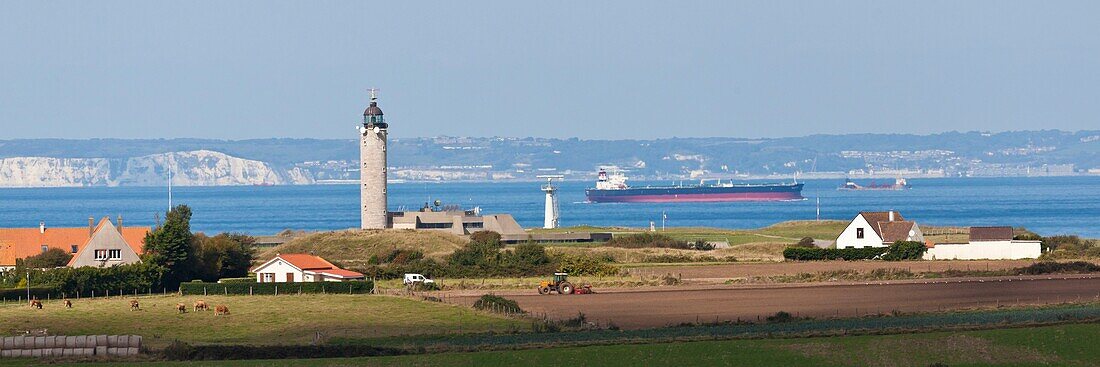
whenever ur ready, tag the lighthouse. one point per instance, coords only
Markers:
(372, 166)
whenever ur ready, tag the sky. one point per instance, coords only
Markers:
(586, 69)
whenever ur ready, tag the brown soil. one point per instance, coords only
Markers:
(672, 306)
(731, 271)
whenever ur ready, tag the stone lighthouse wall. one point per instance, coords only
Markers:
(372, 177)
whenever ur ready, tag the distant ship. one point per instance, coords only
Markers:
(613, 189)
(899, 184)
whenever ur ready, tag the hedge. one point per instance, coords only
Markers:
(809, 254)
(12, 294)
(253, 288)
(179, 351)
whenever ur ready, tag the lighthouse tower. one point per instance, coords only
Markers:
(372, 166)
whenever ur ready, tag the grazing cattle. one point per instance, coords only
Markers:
(134, 306)
(68, 304)
(201, 305)
(221, 310)
(182, 308)
(36, 304)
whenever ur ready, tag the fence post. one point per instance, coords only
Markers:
(276, 289)
(249, 290)
(204, 290)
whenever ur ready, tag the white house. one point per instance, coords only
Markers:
(986, 243)
(289, 268)
(878, 229)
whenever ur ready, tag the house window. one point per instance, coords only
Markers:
(114, 254)
(859, 232)
(74, 249)
(101, 254)
(267, 277)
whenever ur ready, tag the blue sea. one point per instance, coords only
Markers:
(1048, 205)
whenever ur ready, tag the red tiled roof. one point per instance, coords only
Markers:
(18, 243)
(895, 231)
(990, 234)
(307, 262)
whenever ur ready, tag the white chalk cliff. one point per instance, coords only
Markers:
(192, 168)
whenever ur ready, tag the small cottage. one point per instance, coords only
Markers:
(290, 268)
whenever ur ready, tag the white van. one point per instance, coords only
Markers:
(417, 278)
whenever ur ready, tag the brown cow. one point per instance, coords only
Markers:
(221, 310)
(36, 304)
(134, 306)
(182, 308)
(201, 305)
(68, 304)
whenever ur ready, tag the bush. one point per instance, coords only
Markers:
(486, 237)
(354, 287)
(647, 240)
(21, 293)
(781, 316)
(585, 264)
(52, 258)
(490, 302)
(1050, 267)
(702, 245)
(905, 250)
(815, 254)
(806, 242)
(85, 280)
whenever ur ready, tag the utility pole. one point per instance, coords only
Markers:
(28, 284)
(818, 208)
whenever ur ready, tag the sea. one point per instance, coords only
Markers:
(1046, 205)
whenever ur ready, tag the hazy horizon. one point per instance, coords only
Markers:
(595, 71)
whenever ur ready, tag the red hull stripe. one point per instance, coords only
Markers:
(768, 196)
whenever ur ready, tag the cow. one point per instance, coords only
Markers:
(221, 310)
(68, 304)
(182, 308)
(35, 303)
(201, 305)
(134, 306)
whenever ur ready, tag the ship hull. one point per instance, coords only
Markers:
(697, 194)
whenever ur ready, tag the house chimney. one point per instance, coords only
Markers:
(891, 215)
(42, 227)
(91, 226)
(120, 223)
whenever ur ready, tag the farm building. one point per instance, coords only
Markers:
(986, 243)
(102, 245)
(878, 229)
(289, 268)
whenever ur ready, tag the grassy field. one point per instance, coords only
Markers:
(786, 232)
(350, 248)
(288, 319)
(1061, 345)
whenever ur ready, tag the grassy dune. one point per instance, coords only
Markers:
(354, 247)
(287, 319)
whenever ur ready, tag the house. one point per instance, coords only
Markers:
(986, 243)
(289, 268)
(878, 229)
(102, 245)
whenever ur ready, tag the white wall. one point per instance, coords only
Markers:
(848, 237)
(280, 268)
(991, 250)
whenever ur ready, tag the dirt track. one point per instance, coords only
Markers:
(742, 270)
(671, 306)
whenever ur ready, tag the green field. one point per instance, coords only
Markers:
(786, 232)
(286, 319)
(1061, 345)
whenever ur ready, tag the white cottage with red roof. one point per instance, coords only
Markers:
(289, 268)
(878, 229)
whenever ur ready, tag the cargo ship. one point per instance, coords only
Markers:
(613, 189)
(899, 184)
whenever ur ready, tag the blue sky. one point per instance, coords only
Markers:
(639, 69)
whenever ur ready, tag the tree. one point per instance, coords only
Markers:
(223, 256)
(169, 246)
(52, 258)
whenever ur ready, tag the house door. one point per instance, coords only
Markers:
(290, 277)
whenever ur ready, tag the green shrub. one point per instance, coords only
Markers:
(491, 302)
(234, 280)
(647, 240)
(140, 277)
(486, 237)
(816, 254)
(9, 294)
(353, 287)
(585, 264)
(1051, 267)
(806, 242)
(52, 258)
(904, 250)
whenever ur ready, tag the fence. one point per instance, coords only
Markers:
(64, 346)
(19, 295)
(275, 289)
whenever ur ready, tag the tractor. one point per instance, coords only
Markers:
(561, 284)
